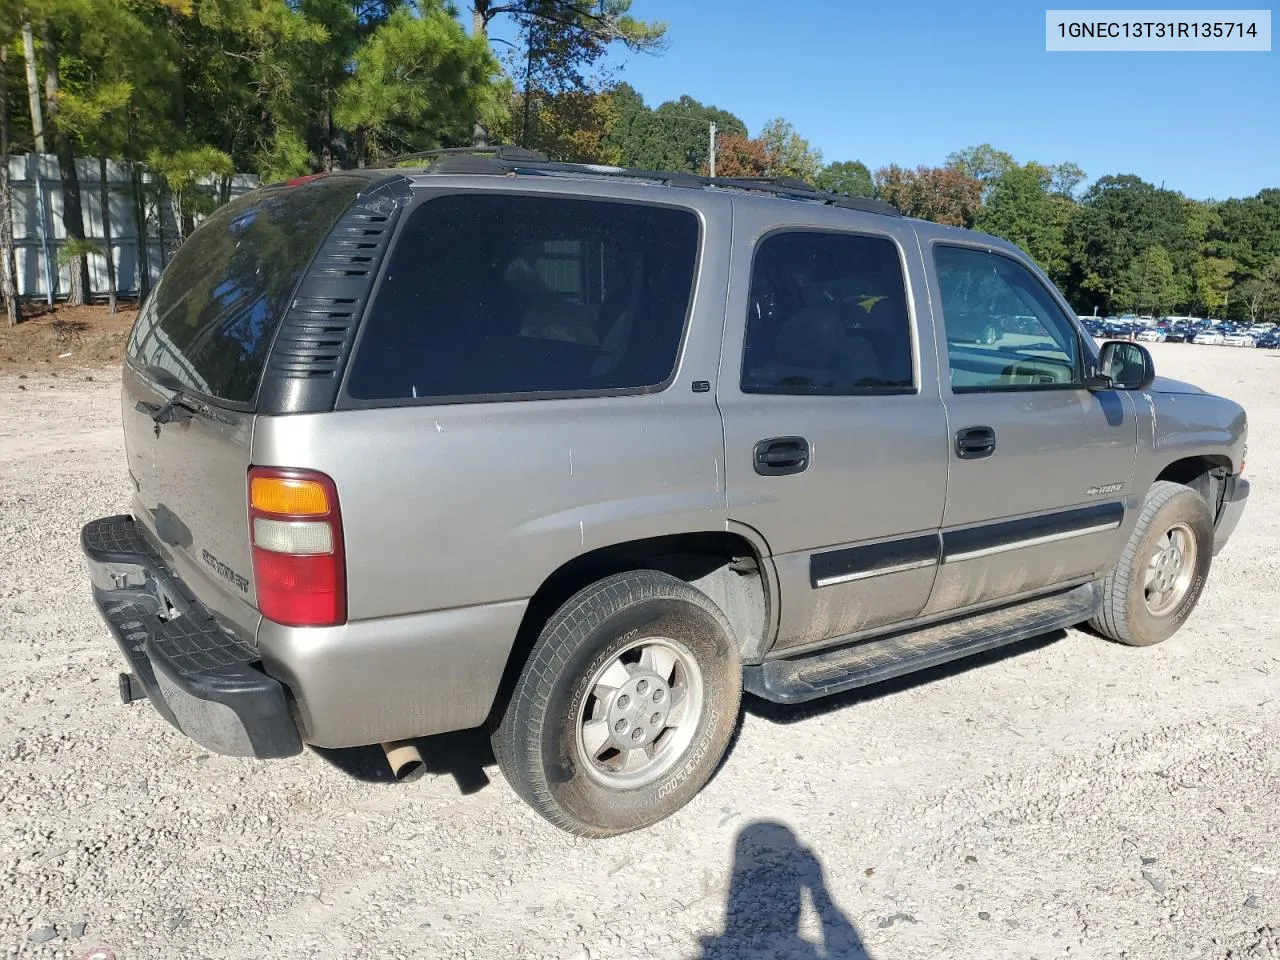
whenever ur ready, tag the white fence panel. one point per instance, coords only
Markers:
(39, 235)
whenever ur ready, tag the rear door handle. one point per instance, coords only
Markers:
(780, 456)
(974, 443)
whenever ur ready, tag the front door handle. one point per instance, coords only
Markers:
(974, 443)
(780, 456)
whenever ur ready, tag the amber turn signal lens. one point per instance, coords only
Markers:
(283, 495)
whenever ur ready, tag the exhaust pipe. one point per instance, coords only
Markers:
(405, 761)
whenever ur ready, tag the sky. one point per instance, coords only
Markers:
(911, 81)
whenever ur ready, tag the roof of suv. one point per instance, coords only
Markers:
(513, 161)
(508, 161)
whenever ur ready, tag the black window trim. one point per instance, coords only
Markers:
(913, 340)
(425, 194)
(1072, 323)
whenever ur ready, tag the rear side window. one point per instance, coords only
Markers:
(493, 295)
(827, 316)
(211, 317)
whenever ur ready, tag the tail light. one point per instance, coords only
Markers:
(299, 564)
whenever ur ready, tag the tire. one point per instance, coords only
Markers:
(1139, 613)
(661, 633)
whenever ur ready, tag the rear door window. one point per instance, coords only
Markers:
(827, 317)
(490, 295)
(213, 314)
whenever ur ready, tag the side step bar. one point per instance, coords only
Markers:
(880, 658)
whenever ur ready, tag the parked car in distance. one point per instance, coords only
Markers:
(576, 457)
(1179, 335)
(1238, 340)
(1268, 341)
(1211, 337)
(1152, 335)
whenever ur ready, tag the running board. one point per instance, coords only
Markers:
(870, 661)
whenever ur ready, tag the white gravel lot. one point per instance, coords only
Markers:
(1072, 798)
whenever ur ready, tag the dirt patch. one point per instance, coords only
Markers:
(52, 338)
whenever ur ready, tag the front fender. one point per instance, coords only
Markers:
(1178, 426)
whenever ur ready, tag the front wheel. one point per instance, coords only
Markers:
(1155, 585)
(625, 707)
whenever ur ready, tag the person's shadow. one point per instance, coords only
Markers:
(771, 872)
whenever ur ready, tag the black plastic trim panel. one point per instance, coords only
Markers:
(314, 341)
(956, 544)
(850, 563)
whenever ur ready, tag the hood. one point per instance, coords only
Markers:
(1169, 385)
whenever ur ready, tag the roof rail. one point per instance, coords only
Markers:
(503, 159)
(501, 153)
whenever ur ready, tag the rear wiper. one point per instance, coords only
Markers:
(178, 407)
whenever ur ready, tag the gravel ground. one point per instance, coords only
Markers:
(1072, 798)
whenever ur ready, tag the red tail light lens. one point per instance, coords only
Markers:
(299, 564)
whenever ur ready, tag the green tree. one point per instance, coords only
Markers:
(570, 127)
(560, 43)
(1211, 283)
(1023, 207)
(1249, 230)
(1261, 293)
(983, 163)
(1066, 177)
(850, 177)
(1119, 218)
(1149, 285)
(675, 136)
(790, 155)
(419, 82)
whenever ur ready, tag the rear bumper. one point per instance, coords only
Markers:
(199, 678)
(1233, 502)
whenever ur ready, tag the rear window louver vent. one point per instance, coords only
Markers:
(316, 334)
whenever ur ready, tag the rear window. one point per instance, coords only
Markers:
(493, 295)
(213, 313)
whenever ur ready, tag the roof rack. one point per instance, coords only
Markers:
(500, 153)
(507, 160)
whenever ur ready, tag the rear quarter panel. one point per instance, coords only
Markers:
(452, 505)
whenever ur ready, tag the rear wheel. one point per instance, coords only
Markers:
(1155, 585)
(626, 705)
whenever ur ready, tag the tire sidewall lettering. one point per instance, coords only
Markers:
(693, 758)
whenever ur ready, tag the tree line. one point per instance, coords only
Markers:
(192, 91)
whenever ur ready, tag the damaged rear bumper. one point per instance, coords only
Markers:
(202, 680)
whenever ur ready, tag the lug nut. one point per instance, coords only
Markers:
(655, 719)
(657, 695)
(642, 686)
(623, 702)
(637, 734)
(620, 726)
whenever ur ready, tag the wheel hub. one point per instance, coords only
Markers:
(1168, 564)
(637, 714)
(640, 713)
(1170, 570)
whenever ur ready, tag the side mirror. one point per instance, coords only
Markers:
(1123, 366)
